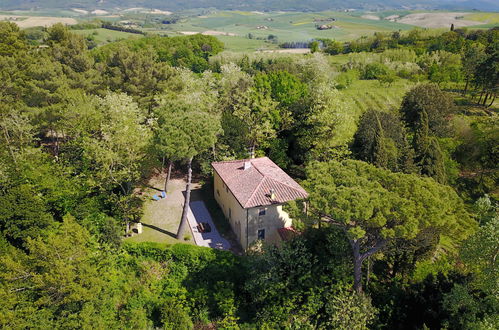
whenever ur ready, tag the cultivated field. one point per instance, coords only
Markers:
(287, 27)
(438, 20)
(32, 21)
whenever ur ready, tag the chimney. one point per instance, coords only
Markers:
(272, 194)
(247, 164)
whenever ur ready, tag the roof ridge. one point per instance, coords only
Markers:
(283, 183)
(237, 160)
(256, 167)
(254, 191)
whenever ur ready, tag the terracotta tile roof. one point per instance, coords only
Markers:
(287, 233)
(253, 186)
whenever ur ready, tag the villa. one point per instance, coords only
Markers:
(251, 193)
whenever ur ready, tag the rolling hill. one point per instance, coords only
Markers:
(289, 5)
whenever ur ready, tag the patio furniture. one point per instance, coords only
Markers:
(163, 194)
(204, 227)
(155, 197)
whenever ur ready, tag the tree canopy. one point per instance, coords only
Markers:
(374, 206)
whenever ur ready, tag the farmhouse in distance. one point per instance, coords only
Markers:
(251, 193)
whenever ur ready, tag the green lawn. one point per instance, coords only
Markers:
(162, 218)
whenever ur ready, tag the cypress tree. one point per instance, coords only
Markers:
(420, 141)
(380, 156)
(434, 162)
(429, 156)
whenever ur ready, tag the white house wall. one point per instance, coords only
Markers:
(273, 219)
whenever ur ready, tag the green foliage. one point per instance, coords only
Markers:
(480, 254)
(175, 316)
(190, 52)
(285, 87)
(23, 215)
(11, 39)
(349, 310)
(428, 157)
(375, 71)
(430, 99)
(382, 130)
(63, 276)
(80, 129)
(314, 46)
(345, 79)
(328, 125)
(374, 206)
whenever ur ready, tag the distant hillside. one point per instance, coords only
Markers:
(309, 5)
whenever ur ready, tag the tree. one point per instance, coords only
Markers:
(314, 47)
(139, 74)
(374, 206)
(23, 214)
(186, 132)
(332, 47)
(473, 54)
(429, 157)
(380, 150)
(438, 106)
(349, 310)
(383, 129)
(63, 282)
(118, 144)
(325, 127)
(284, 87)
(480, 254)
(375, 71)
(486, 75)
(12, 39)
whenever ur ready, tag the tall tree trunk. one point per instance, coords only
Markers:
(359, 257)
(466, 86)
(486, 98)
(368, 275)
(357, 267)
(480, 98)
(183, 221)
(492, 102)
(170, 163)
(252, 150)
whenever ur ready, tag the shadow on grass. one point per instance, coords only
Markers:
(166, 232)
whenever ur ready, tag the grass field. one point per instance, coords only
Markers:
(370, 94)
(241, 44)
(104, 36)
(487, 18)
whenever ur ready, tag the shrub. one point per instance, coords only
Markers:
(374, 71)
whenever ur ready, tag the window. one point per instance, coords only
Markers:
(227, 189)
(218, 192)
(261, 234)
(230, 213)
(261, 212)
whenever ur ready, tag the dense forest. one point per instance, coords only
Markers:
(401, 229)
